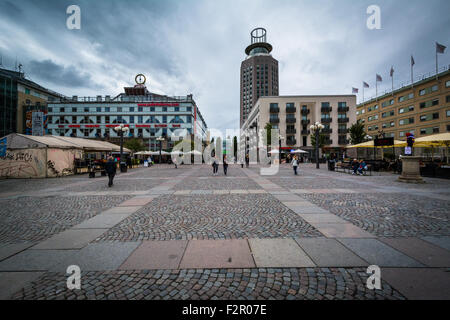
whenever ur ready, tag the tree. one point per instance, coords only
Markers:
(268, 138)
(134, 145)
(357, 133)
(322, 139)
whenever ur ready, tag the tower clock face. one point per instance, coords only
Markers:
(140, 79)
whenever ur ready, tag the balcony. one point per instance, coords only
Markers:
(274, 109)
(291, 120)
(274, 120)
(304, 111)
(342, 131)
(305, 121)
(291, 142)
(328, 142)
(326, 109)
(343, 120)
(291, 131)
(343, 109)
(327, 131)
(305, 132)
(325, 120)
(291, 109)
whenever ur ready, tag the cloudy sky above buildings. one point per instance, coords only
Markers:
(196, 46)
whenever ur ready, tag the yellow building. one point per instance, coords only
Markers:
(421, 109)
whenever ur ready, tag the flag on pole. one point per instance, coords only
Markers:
(379, 78)
(365, 85)
(355, 90)
(392, 71)
(440, 48)
(412, 61)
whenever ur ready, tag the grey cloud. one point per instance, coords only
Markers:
(56, 74)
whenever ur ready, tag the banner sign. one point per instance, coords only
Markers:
(382, 142)
(37, 120)
(3, 146)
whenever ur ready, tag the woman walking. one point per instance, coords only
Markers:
(295, 164)
(215, 166)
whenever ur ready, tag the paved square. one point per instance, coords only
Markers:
(161, 233)
(217, 254)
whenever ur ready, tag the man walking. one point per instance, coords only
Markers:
(225, 165)
(110, 168)
(215, 166)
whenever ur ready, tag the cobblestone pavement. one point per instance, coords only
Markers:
(30, 219)
(388, 214)
(202, 216)
(189, 203)
(214, 284)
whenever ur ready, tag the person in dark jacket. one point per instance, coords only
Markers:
(110, 168)
(225, 165)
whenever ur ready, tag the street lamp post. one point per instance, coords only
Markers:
(121, 130)
(160, 139)
(279, 147)
(316, 128)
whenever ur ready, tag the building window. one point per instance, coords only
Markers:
(119, 109)
(447, 83)
(131, 109)
(131, 119)
(99, 109)
(74, 109)
(107, 109)
(140, 119)
(140, 109)
(61, 109)
(106, 119)
(406, 121)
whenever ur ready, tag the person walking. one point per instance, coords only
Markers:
(225, 165)
(247, 160)
(110, 168)
(215, 165)
(295, 164)
(175, 163)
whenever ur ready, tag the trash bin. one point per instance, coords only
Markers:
(123, 167)
(331, 165)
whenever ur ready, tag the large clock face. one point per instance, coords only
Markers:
(140, 79)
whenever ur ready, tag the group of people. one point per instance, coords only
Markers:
(359, 167)
(215, 165)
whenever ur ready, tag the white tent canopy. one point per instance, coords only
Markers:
(299, 151)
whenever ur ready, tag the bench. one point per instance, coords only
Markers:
(347, 168)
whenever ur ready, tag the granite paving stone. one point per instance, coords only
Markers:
(377, 253)
(70, 239)
(102, 221)
(329, 253)
(341, 230)
(156, 255)
(35, 260)
(441, 241)
(10, 249)
(278, 253)
(11, 282)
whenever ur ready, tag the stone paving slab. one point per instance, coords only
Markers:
(11, 282)
(8, 250)
(221, 191)
(419, 283)
(98, 256)
(310, 209)
(122, 210)
(257, 191)
(299, 203)
(321, 218)
(238, 191)
(70, 239)
(136, 201)
(160, 192)
(102, 221)
(234, 253)
(377, 253)
(441, 241)
(341, 230)
(279, 253)
(329, 253)
(156, 255)
(345, 190)
(289, 197)
(35, 260)
(182, 192)
(420, 250)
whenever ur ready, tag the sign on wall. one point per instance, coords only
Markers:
(3, 146)
(37, 121)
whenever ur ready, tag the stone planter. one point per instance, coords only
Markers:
(410, 170)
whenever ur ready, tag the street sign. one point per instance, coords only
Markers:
(408, 150)
(382, 142)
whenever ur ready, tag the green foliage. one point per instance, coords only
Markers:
(357, 133)
(322, 139)
(134, 145)
(268, 137)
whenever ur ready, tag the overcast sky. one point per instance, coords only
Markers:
(196, 46)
